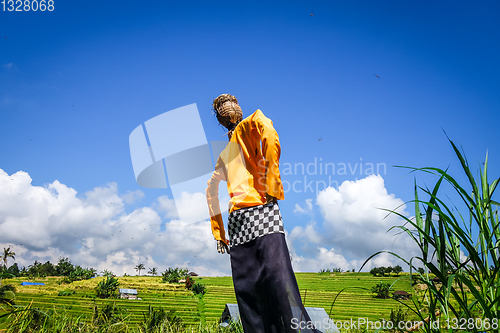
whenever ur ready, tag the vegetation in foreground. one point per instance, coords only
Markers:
(110, 319)
(467, 296)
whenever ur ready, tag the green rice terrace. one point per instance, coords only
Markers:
(317, 290)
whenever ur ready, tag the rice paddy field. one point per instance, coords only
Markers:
(317, 290)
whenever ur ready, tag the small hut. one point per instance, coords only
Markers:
(319, 318)
(231, 313)
(401, 294)
(128, 293)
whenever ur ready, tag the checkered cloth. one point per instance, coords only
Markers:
(246, 224)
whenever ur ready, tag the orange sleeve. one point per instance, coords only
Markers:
(271, 151)
(213, 202)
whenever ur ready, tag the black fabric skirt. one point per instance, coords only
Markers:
(265, 286)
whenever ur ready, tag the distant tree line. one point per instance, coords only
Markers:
(383, 271)
(335, 270)
(63, 268)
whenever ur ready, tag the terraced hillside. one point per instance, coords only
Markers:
(318, 290)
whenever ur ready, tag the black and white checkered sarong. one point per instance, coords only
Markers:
(246, 224)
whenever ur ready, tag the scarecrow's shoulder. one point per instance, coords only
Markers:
(258, 117)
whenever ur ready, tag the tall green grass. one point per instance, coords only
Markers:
(109, 319)
(468, 297)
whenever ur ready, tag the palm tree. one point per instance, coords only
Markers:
(153, 271)
(7, 253)
(139, 268)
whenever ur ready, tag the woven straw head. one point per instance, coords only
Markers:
(227, 110)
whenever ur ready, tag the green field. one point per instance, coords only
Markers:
(317, 290)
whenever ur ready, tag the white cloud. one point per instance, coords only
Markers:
(130, 197)
(190, 207)
(355, 227)
(306, 210)
(93, 230)
(309, 233)
(166, 206)
(323, 259)
(463, 257)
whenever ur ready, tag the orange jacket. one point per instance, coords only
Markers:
(250, 166)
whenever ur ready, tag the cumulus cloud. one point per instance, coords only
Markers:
(93, 229)
(192, 206)
(166, 207)
(307, 208)
(355, 226)
(323, 258)
(309, 233)
(131, 197)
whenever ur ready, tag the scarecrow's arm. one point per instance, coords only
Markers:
(271, 151)
(213, 203)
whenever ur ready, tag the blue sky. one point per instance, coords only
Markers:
(345, 82)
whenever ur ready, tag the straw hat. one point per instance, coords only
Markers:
(228, 111)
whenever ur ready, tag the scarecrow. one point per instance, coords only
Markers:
(265, 286)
